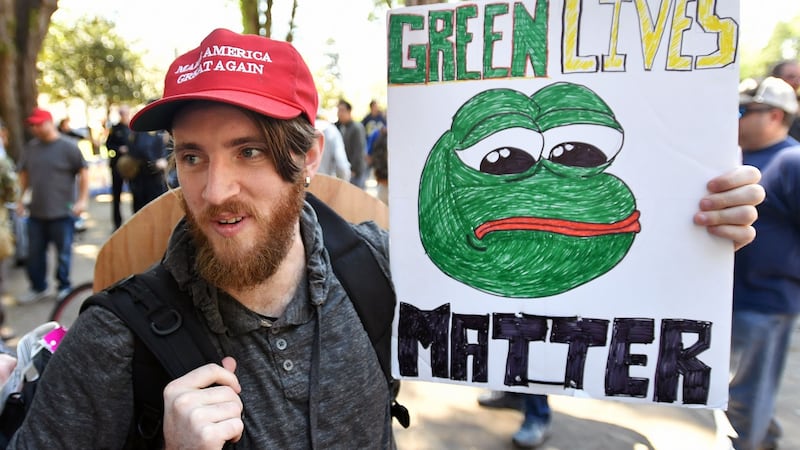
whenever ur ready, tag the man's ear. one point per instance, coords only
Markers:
(778, 114)
(314, 154)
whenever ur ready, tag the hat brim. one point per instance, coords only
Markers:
(749, 100)
(159, 114)
(745, 99)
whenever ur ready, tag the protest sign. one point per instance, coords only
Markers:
(546, 159)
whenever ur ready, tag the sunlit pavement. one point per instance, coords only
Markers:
(447, 416)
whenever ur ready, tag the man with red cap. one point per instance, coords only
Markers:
(298, 369)
(49, 166)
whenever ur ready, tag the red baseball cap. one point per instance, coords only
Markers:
(39, 116)
(246, 70)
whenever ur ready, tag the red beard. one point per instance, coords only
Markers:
(229, 266)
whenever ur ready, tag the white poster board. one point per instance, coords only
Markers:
(546, 159)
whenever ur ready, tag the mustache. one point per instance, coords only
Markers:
(235, 207)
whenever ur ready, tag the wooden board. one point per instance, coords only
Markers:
(142, 240)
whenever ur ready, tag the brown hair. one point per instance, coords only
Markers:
(286, 139)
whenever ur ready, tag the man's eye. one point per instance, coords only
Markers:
(251, 152)
(190, 159)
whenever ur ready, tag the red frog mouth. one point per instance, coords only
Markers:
(560, 226)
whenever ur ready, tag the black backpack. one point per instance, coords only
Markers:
(170, 340)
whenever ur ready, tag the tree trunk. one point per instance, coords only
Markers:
(290, 33)
(250, 16)
(268, 19)
(23, 27)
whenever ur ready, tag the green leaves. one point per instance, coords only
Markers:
(90, 61)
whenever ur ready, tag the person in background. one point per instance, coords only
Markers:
(65, 128)
(9, 193)
(535, 428)
(51, 166)
(766, 278)
(150, 150)
(7, 365)
(375, 120)
(3, 140)
(378, 160)
(334, 158)
(355, 143)
(117, 145)
(789, 71)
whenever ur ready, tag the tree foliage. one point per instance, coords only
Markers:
(88, 60)
(381, 6)
(329, 78)
(783, 44)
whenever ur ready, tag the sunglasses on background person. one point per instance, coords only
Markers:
(747, 109)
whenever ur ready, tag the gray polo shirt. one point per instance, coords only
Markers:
(311, 372)
(52, 168)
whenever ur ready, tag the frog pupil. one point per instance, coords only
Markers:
(507, 160)
(577, 154)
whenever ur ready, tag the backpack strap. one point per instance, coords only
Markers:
(169, 328)
(371, 293)
(170, 342)
(369, 290)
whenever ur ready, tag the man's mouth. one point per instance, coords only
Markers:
(560, 226)
(230, 221)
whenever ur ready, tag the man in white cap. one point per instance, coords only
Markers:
(766, 295)
(298, 370)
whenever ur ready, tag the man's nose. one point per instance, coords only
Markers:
(221, 183)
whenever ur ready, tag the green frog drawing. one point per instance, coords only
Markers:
(514, 198)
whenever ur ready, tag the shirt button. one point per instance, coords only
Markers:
(281, 344)
(288, 365)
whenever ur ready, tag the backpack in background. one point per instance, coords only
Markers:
(34, 351)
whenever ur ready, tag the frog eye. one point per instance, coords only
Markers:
(582, 145)
(510, 151)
